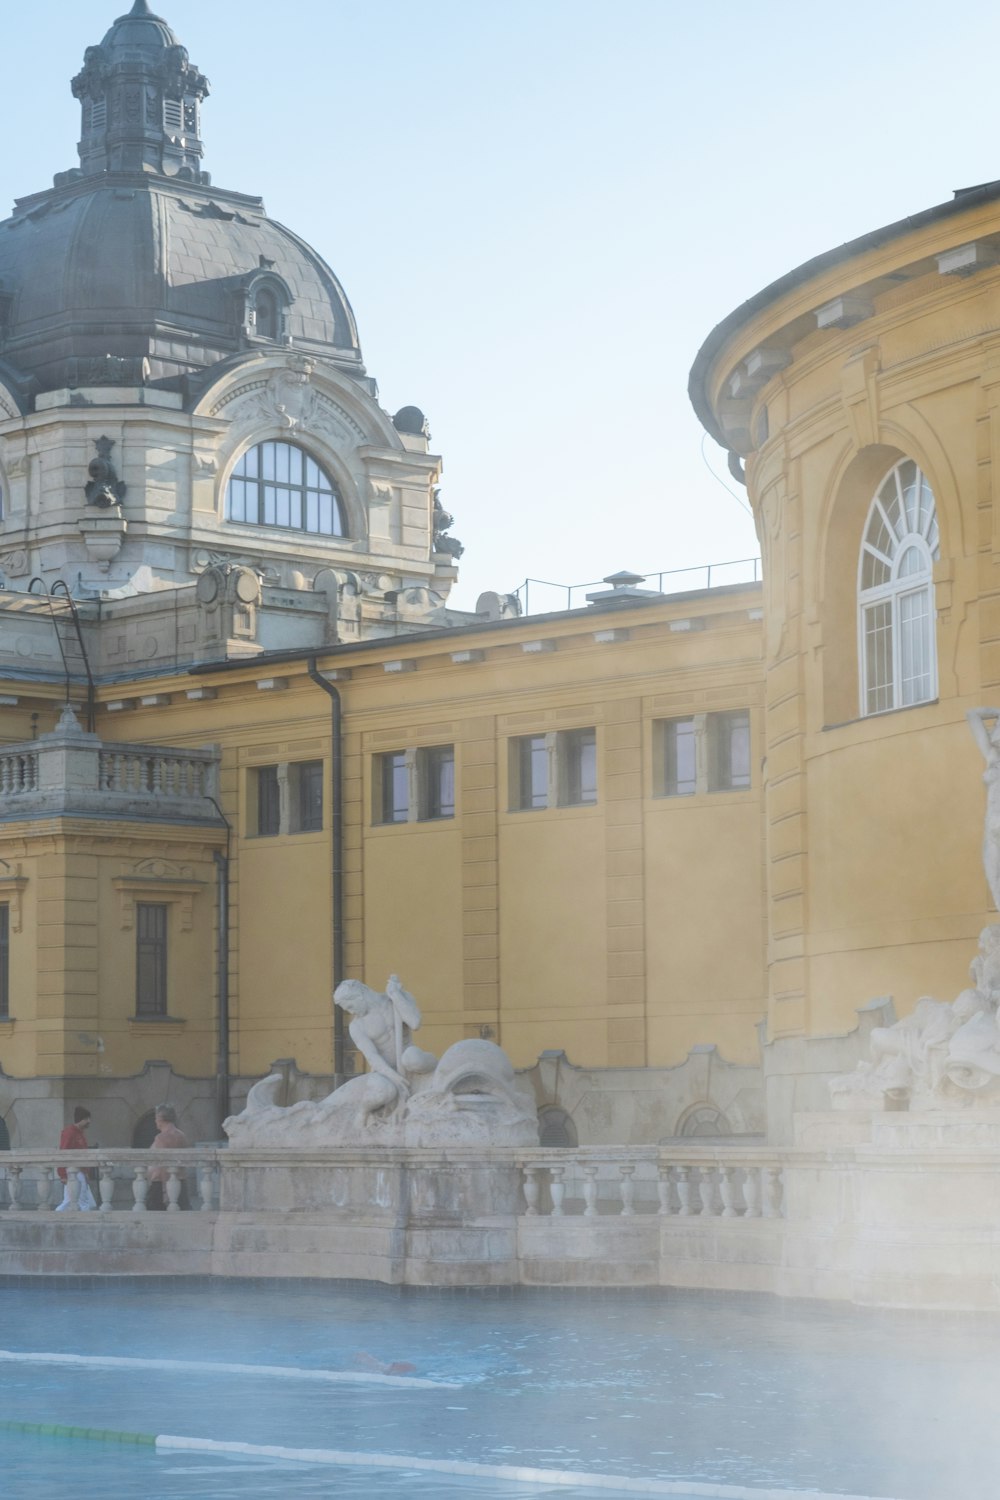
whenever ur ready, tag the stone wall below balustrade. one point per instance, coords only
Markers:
(887, 1210)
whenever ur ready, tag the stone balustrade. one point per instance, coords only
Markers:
(18, 771)
(71, 772)
(590, 1182)
(30, 1181)
(727, 1183)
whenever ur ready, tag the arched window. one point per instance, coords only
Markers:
(277, 484)
(267, 321)
(896, 637)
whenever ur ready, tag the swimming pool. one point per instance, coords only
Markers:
(668, 1390)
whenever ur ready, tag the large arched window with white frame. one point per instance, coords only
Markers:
(280, 484)
(896, 635)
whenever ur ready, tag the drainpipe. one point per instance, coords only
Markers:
(222, 940)
(337, 866)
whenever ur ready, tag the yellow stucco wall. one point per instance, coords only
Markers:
(586, 928)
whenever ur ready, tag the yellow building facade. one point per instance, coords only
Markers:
(669, 844)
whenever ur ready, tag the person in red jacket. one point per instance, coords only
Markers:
(74, 1138)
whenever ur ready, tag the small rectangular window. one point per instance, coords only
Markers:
(702, 753)
(438, 766)
(729, 751)
(529, 772)
(268, 802)
(4, 962)
(394, 787)
(553, 770)
(150, 959)
(577, 751)
(307, 796)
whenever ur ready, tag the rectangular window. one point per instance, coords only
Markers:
(531, 771)
(729, 751)
(577, 751)
(307, 795)
(4, 962)
(268, 802)
(414, 785)
(394, 785)
(553, 770)
(150, 959)
(438, 765)
(680, 773)
(702, 753)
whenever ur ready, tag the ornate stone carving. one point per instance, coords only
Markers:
(104, 489)
(408, 1098)
(442, 520)
(15, 564)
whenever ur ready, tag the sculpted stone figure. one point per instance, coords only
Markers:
(985, 726)
(407, 1097)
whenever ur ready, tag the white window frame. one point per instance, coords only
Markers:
(897, 589)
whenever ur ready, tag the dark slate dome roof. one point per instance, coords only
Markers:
(133, 267)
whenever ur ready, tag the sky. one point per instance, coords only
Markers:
(540, 208)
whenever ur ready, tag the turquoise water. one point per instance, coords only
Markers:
(687, 1387)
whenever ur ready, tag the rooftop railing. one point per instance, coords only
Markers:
(668, 581)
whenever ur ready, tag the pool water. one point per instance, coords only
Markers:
(718, 1391)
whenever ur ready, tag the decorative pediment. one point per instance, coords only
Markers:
(158, 880)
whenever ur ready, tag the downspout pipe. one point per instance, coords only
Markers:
(222, 941)
(337, 856)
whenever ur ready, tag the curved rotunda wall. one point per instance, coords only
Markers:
(873, 820)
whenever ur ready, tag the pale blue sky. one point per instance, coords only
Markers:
(540, 208)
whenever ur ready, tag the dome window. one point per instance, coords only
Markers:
(267, 314)
(278, 484)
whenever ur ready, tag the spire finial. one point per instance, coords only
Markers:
(140, 8)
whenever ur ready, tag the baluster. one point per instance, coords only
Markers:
(45, 1177)
(14, 1188)
(663, 1189)
(589, 1192)
(558, 1189)
(5, 774)
(751, 1192)
(156, 774)
(773, 1193)
(728, 1193)
(626, 1171)
(706, 1190)
(174, 1182)
(531, 1190)
(684, 1191)
(73, 1186)
(206, 1185)
(107, 1189)
(140, 1187)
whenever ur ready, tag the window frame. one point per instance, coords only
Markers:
(249, 471)
(152, 949)
(881, 605)
(561, 753)
(712, 769)
(416, 770)
(284, 801)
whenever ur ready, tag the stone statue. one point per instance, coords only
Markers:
(407, 1098)
(985, 726)
(943, 1055)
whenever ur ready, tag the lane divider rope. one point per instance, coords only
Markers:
(689, 1489)
(196, 1367)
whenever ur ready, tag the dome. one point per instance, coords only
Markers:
(133, 267)
(98, 276)
(139, 33)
